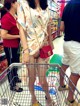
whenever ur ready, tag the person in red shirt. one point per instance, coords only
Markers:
(11, 38)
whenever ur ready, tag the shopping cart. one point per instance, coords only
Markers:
(10, 98)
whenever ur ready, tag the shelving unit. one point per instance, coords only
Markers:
(54, 11)
(55, 27)
(3, 61)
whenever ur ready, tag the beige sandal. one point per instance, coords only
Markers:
(36, 104)
(71, 104)
(60, 88)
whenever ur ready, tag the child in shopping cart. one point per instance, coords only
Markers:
(34, 26)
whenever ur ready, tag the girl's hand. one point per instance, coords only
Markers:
(52, 46)
(25, 57)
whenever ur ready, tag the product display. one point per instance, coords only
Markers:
(3, 63)
(54, 12)
(3, 60)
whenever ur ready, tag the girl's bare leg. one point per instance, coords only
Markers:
(32, 77)
(42, 78)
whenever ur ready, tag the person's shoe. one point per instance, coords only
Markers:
(16, 89)
(62, 88)
(49, 104)
(73, 103)
(36, 104)
(18, 81)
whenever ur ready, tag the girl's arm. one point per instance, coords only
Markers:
(50, 35)
(24, 45)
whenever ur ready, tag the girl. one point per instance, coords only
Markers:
(34, 26)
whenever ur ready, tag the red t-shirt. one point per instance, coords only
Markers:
(9, 23)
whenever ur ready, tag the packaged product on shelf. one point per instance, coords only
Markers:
(1, 49)
(54, 25)
(3, 60)
(54, 12)
(3, 63)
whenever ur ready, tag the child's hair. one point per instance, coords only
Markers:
(43, 4)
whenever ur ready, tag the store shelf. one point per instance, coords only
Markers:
(3, 64)
(3, 61)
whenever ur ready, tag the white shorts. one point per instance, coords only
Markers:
(71, 55)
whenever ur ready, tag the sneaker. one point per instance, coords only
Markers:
(18, 81)
(36, 104)
(62, 88)
(72, 104)
(16, 89)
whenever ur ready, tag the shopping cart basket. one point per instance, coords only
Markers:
(11, 98)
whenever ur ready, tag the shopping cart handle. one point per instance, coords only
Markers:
(21, 64)
(15, 64)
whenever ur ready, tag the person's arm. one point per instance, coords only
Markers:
(21, 26)
(50, 35)
(24, 44)
(23, 39)
(5, 35)
(22, 31)
(62, 27)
